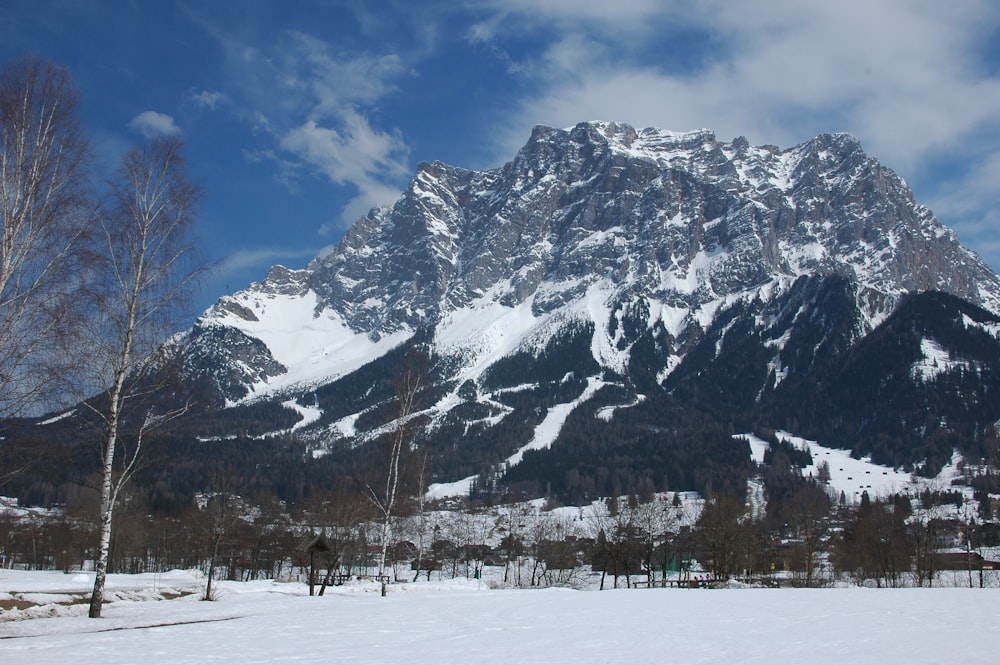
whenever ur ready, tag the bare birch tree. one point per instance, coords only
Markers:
(927, 539)
(420, 521)
(149, 270)
(217, 520)
(407, 383)
(615, 530)
(44, 209)
(514, 525)
(653, 520)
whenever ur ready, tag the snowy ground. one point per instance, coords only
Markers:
(458, 622)
(852, 476)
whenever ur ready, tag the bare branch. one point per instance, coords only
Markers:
(408, 383)
(149, 266)
(44, 209)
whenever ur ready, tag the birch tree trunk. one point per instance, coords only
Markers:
(109, 497)
(148, 273)
(407, 384)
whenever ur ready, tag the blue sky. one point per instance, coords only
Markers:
(299, 116)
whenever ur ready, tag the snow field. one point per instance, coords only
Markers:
(444, 623)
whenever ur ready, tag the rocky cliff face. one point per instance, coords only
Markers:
(615, 283)
(682, 218)
(601, 214)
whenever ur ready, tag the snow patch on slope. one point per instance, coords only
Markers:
(483, 333)
(547, 430)
(851, 476)
(310, 414)
(315, 344)
(935, 362)
(599, 311)
(990, 328)
(545, 434)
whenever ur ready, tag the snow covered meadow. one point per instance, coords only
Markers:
(465, 622)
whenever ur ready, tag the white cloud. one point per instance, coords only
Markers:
(286, 170)
(971, 203)
(325, 251)
(336, 82)
(356, 154)
(208, 99)
(337, 138)
(152, 124)
(627, 16)
(907, 78)
(317, 106)
(898, 75)
(367, 198)
(257, 259)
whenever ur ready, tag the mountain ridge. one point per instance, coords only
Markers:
(548, 227)
(603, 314)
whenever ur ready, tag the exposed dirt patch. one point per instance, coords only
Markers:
(17, 604)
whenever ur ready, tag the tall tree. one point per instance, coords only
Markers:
(408, 383)
(725, 534)
(927, 539)
(654, 519)
(617, 537)
(420, 521)
(218, 518)
(873, 545)
(44, 209)
(149, 269)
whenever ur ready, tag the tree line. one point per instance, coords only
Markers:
(805, 539)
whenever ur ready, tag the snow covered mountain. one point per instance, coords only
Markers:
(640, 274)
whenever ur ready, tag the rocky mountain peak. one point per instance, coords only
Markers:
(587, 219)
(604, 311)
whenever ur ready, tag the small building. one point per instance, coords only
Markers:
(963, 561)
